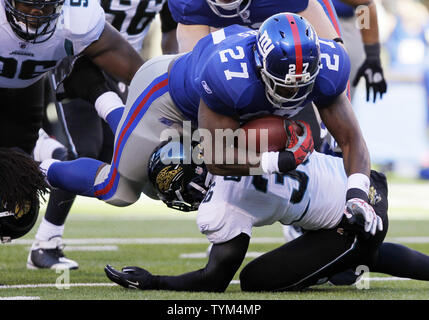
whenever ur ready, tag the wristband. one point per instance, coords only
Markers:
(357, 186)
(269, 162)
(107, 102)
(372, 51)
(286, 162)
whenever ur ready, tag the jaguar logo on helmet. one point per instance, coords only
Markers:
(179, 182)
(166, 176)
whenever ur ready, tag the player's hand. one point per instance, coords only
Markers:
(300, 145)
(86, 81)
(361, 215)
(130, 277)
(372, 71)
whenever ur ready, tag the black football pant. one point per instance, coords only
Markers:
(21, 116)
(317, 254)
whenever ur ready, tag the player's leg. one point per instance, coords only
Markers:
(297, 264)
(320, 254)
(401, 261)
(46, 250)
(138, 133)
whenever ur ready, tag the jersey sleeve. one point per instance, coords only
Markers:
(334, 73)
(167, 22)
(213, 89)
(84, 23)
(225, 94)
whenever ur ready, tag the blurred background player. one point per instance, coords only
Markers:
(360, 32)
(94, 139)
(27, 29)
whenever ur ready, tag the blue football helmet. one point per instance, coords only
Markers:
(179, 182)
(229, 9)
(288, 55)
(33, 21)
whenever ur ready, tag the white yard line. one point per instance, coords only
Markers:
(20, 298)
(52, 285)
(59, 286)
(119, 241)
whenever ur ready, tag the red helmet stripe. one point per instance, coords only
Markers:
(297, 41)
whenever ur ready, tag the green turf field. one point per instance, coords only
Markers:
(168, 242)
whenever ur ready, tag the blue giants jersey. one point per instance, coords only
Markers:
(343, 10)
(221, 70)
(199, 12)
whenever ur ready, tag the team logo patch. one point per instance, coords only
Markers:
(206, 87)
(166, 176)
(373, 196)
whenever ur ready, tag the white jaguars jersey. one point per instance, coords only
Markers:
(22, 63)
(312, 196)
(132, 18)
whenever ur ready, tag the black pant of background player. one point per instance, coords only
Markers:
(21, 116)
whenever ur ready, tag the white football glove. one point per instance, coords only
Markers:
(360, 213)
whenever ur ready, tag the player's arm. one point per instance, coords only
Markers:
(315, 14)
(341, 122)
(189, 35)
(224, 261)
(223, 158)
(371, 68)
(210, 121)
(114, 54)
(169, 43)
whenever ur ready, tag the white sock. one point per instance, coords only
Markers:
(48, 230)
(106, 103)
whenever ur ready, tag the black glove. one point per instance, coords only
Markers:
(372, 71)
(86, 81)
(130, 277)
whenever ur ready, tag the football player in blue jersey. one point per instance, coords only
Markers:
(231, 75)
(197, 19)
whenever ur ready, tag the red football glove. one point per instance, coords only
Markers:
(300, 145)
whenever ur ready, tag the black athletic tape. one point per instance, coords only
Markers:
(286, 161)
(356, 193)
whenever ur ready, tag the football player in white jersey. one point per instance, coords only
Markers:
(132, 19)
(313, 197)
(35, 36)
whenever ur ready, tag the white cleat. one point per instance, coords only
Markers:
(49, 255)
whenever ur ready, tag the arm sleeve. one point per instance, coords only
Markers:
(224, 261)
(167, 21)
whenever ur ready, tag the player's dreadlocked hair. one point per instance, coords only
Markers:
(22, 184)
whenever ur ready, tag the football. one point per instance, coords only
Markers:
(275, 130)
